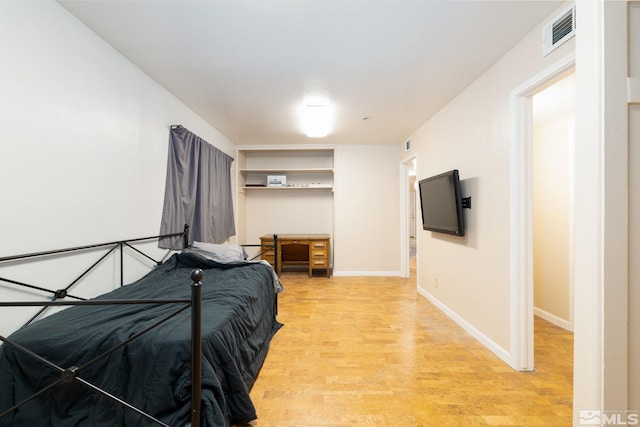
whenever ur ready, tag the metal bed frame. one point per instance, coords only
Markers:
(72, 373)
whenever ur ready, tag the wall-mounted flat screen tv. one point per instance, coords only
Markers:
(441, 203)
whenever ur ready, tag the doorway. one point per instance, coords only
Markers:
(521, 212)
(408, 220)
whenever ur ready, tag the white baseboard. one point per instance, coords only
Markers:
(484, 340)
(552, 318)
(367, 273)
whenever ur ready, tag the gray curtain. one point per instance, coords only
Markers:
(197, 191)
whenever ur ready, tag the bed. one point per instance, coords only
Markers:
(133, 356)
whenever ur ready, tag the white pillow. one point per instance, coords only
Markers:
(222, 253)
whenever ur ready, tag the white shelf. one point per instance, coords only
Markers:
(286, 171)
(310, 187)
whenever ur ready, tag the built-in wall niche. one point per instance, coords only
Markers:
(295, 169)
(303, 205)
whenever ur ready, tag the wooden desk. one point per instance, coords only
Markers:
(311, 249)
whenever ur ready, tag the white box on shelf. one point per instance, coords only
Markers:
(276, 181)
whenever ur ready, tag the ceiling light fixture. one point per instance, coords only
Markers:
(316, 117)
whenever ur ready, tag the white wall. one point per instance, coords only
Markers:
(551, 220)
(85, 136)
(288, 212)
(367, 210)
(469, 277)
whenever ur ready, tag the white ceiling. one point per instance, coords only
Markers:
(244, 66)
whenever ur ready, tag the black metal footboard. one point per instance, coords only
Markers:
(74, 373)
(110, 248)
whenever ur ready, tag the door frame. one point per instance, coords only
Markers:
(521, 211)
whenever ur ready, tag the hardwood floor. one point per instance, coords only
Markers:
(372, 351)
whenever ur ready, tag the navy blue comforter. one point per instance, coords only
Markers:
(153, 372)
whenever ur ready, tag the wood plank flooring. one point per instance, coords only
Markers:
(371, 351)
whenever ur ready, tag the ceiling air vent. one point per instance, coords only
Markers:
(559, 30)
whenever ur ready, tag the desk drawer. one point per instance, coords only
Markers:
(319, 263)
(321, 245)
(294, 242)
(318, 253)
